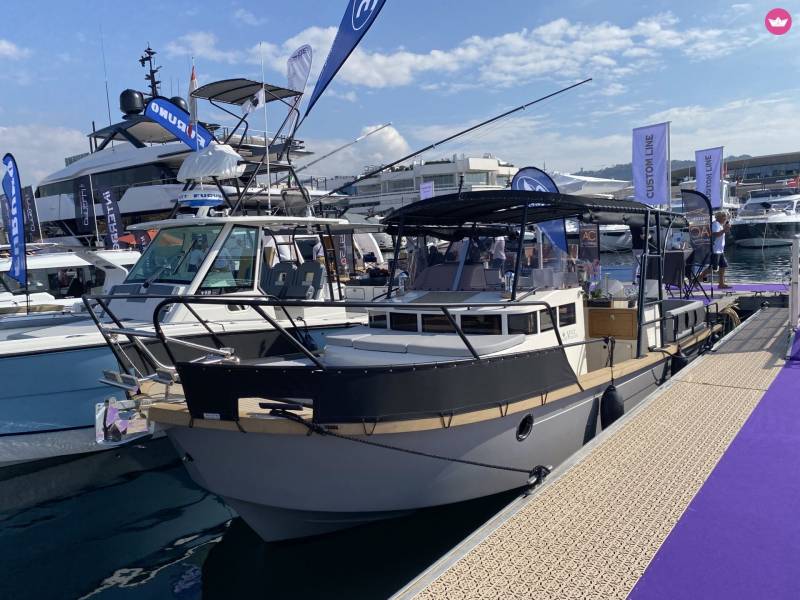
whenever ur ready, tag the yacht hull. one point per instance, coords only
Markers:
(765, 234)
(290, 486)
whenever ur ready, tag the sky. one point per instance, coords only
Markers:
(430, 67)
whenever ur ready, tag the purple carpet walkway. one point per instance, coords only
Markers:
(740, 535)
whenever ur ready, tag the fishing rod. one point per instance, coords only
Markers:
(454, 136)
(336, 150)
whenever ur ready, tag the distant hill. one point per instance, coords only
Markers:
(625, 172)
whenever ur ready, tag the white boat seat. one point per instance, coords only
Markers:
(345, 339)
(428, 344)
(452, 345)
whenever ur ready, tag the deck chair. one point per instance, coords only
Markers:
(700, 263)
(309, 276)
(674, 271)
(276, 281)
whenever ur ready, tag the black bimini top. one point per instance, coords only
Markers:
(508, 206)
(239, 91)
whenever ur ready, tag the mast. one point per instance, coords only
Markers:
(152, 70)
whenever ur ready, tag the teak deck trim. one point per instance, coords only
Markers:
(256, 420)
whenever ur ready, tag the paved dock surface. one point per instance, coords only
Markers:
(593, 529)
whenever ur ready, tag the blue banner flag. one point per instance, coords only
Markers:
(357, 19)
(178, 122)
(536, 180)
(16, 220)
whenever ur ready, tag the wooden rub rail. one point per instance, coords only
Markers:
(592, 529)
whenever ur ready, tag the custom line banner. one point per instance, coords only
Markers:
(16, 220)
(84, 205)
(358, 18)
(651, 172)
(32, 231)
(708, 171)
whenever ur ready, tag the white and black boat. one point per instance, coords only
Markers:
(768, 218)
(463, 386)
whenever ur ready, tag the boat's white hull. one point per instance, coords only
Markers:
(289, 486)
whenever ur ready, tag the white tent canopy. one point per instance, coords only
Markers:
(217, 160)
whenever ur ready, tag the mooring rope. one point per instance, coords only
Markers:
(539, 472)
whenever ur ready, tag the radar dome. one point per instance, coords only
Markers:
(180, 103)
(131, 102)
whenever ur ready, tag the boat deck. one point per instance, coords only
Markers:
(694, 494)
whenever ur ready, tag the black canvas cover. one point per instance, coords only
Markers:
(359, 394)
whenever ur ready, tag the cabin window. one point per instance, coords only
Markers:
(566, 315)
(523, 323)
(377, 320)
(403, 321)
(234, 266)
(436, 324)
(482, 324)
(175, 255)
(545, 320)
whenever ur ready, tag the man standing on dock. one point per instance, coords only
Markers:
(719, 228)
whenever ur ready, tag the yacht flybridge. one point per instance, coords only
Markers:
(465, 382)
(140, 162)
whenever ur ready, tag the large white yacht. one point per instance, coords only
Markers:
(139, 161)
(768, 218)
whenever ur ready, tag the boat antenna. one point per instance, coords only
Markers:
(335, 150)
(152, 71)
(454, 136)
(105, 72)
(266, 136)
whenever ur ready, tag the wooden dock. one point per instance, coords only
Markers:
(593, 528)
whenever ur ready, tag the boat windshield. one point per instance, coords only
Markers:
(760, 207)
(175, 255)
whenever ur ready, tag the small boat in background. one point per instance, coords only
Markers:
(768, 218)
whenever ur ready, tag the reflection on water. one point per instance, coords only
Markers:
(763, 265)
(150, 532)
(768, 265)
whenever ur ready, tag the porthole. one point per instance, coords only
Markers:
(525, 427)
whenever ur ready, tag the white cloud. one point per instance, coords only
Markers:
(382, 147)
(41, 149)
(613, 89)
(559, 49)
(245, 17)
(202, 45)
(11, 50)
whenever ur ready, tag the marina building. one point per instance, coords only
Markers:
(766, 169)
(400, 186)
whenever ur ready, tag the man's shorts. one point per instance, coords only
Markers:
(718, 260)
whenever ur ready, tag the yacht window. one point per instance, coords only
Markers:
(482, 324)
(436, 324)
(234, 266)
(523, 323)
(377, 320)
(546, 321)
(403, 321)
(175, 255)
(566, 315)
